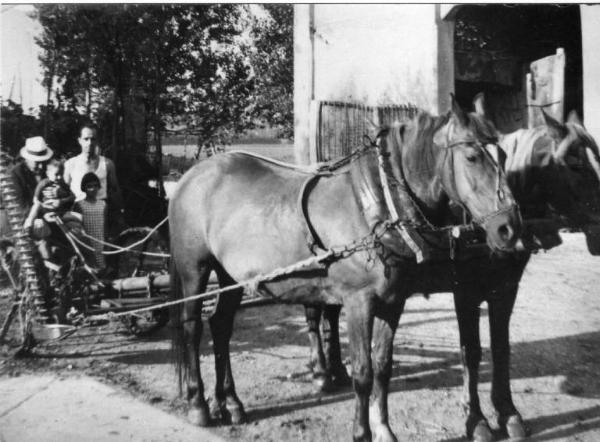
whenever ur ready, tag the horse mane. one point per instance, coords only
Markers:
(417, 134)
(482, 127)
(582, 134)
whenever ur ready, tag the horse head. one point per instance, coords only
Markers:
(460, 154)
(574, 190)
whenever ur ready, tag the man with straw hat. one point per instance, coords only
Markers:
(28, 173)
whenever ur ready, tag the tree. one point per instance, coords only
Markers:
(16, 126)
(273, 64)
(183, 62)
(211, 69)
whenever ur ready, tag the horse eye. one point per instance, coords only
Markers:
(472, 155)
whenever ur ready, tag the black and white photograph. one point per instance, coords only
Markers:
(315, 222)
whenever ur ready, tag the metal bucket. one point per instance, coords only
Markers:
(52, 331)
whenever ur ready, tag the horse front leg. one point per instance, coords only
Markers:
(331, 346)
(384, 329)
(500, 310)
(359, 310)
(317, 363)
(467, 314)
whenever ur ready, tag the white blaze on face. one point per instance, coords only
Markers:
(493, 151)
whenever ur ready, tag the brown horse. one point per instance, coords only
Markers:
(239, 216)
(553, 172)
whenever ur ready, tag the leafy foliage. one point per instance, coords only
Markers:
(212, 69)
(273, 64)
(58, 125)
(110, 58)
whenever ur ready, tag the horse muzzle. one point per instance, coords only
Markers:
(503, 228)
(592, 238)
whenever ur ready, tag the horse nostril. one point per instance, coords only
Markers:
(505, 232)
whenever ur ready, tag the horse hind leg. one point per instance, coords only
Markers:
(226, 403)
(193, 282)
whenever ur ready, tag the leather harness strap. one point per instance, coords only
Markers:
(312, 238)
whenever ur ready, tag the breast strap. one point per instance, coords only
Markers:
(312, 238)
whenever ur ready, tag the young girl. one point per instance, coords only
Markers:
(93, 211)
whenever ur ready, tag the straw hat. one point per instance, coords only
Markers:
(36, 149)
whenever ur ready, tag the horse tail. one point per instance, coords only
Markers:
(178, 347)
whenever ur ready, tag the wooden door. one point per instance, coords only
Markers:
(546, 88)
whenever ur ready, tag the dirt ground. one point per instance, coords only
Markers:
(555, 335)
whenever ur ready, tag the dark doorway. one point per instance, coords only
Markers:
(494, 46)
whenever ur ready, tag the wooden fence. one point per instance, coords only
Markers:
(338, 128)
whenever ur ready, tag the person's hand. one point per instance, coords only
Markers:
(40, 229)
(51, 204)
(50, 192)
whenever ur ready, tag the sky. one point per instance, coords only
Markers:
(21, 70)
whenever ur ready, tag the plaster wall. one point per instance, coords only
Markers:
(590, 33)
(376, 54)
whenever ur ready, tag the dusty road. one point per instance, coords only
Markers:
(556, 364)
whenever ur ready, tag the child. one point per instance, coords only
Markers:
(93, 211)
(52, 195)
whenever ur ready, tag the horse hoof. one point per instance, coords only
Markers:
(514, 426)
(383, 434)
(236, 415)
(322, 383)
(341, 379)
(214, 408)
(199, 417)
(482, 433)
(479, 431)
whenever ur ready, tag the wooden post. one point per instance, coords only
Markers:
(303, 81)
(314, 132)
(546, 88)
(445, 59)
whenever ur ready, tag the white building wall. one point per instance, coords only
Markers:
(590, 33)
(376, 54)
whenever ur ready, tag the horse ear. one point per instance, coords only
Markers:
(574, 118)
(458, 112)
(479, 104)
(402, 131)
(372, 128)
(555, 129)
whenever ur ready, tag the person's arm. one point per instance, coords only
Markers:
(33, 214)
(77, 207)
(67, 174)
(39, 189)
(68, 197)
(113, 191)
